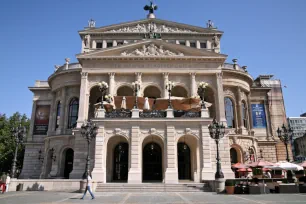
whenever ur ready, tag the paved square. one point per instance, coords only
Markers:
(147, 198)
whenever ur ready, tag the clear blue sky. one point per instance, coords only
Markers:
(269, 36)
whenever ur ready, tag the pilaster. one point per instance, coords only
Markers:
(207, 171)
(239, 111)
(250, 126)
(138, 78)
(171, 175)
(111, 83)
(193, 86)
(220, 110)
(135, 173)
(52, 115)
(83, 107)
(79, 158)
(62, 111)
(31, 130)
(98, 173)
(166, 79)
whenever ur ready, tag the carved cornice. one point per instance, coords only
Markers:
(150, 27)
(151, 50)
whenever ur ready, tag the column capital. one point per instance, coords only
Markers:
(84, 74)
(193, 74)
(165, 74)
(111, 74)
(219, 75)
(138, 73)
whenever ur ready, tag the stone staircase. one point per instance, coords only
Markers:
(153, 187)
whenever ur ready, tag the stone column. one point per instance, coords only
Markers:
(104, 44)
(98, 172)
(138, 78)
(251, 129)
(177, 42)
(193, 85)
(166, 79)
(268, 118)
(205, 150)
(135, 172)
(187, 43)
(198, 44)
(111, 83)
(171, 174)
(239, 111)
(31, 129)
(51, 117)
(83, 107)
(114, 43)
(62, 112)
(220, 110)
(94, 44)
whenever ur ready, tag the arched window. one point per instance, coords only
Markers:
(58, 115)
(234, 156)
(73, 113)
(244, 114)
(179, 91)
(152, 92)
(229, 112)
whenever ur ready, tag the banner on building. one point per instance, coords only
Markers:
(259, 116)
(41, 121)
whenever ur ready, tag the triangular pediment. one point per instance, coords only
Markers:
(152, 49)
(154, 25)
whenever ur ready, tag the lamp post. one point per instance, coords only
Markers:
(169, 87)
(216, 131)
(136, 87)
(201, 92)
(285, 135)
(18, 133)
(103, 86)
(88, 131)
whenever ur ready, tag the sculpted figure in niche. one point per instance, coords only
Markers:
(86, 40)
(216, 40)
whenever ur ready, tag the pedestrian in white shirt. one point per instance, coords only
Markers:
(88, 184)
(7, 182)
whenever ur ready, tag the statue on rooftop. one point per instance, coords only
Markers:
(91, 23)
(210, 24)
(151, 9)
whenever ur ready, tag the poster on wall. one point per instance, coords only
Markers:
(259, 116)
(41, 121)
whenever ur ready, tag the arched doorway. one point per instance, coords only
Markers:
(179, 91)
(94, 100)
(152, 92)
(234, 156)
(121, 159)
(68, 162)
(152, 162)
(183, 158)
(125, 91)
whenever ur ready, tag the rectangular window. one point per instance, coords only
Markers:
(109, 44)
(182, 43)
(193, 44)
(119, 43)
(203, 45)
(99, 45)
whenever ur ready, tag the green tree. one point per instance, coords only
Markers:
(7, 142)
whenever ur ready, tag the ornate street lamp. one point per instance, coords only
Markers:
(88, 131)
(103, 86)
(201, 92)
(216, 131)
(285, 135)
(18, 133)
(169, 87)
(136, 87)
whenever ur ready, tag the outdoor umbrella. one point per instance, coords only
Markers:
(303, 164)
(123, 103)
(260, 163)
(146, 104)
(244, 170)
(239, 166)
(284, 165)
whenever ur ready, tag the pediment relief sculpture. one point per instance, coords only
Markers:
(150, 27)
(151, 50)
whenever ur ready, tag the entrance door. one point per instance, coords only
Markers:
(68, 163)
(152, 162)
(121, 159)
(183, 158)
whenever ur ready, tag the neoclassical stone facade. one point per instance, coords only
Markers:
(162, 144)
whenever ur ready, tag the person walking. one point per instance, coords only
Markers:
(7, 182)
(88, 184)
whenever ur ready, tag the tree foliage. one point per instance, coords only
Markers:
(7, 142)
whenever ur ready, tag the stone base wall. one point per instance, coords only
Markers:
(70, 185)
(281, 152)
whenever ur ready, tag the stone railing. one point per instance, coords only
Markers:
(122, 113)
(153, 114)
